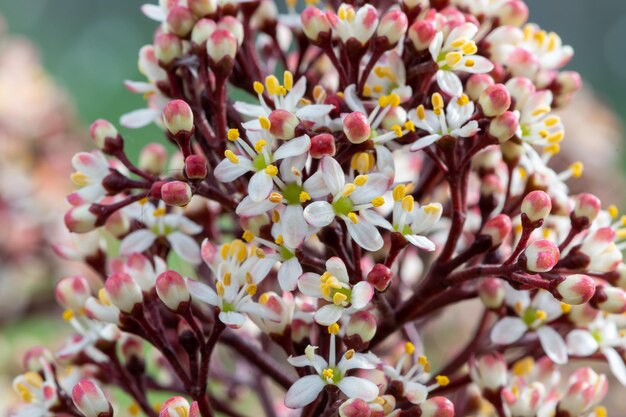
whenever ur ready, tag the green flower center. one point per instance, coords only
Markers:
(259, 163)
(292, 192)
(285, 253)
(343, 206)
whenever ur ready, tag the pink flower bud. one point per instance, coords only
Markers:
(202, 31)
(495, 100)
(541, 256)
(221, 44)
(314, 23)
(392, 26)
(90, 400)
(356, 127)
(179, 407)
(491, 292)
(476, 84)
(167, 47)
(587, 206)
(491, 185)
(489, 371)
(569, 82)
(178, 117)
(202, 8)
(513, 13)
(504, 126)
(153, 158)
(575, 289)
(610, 299)
(585, 390)
(355, 407)
(421, 34)
(322, 145)
(283, 124)
(437, 407)
(232, 25)
(536, 206)
(131, 347)
(195, 167)
(362, 324)
(176, 193)
(180, 21)
(520, 88)
(123, 291)
(100, 131)
(380, 277)
(172, 289)
(80, 219)
(498, 228)
(72, 292)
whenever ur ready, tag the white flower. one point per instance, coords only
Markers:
(388, 77)
(454, 121)
(39, 393)
(91, 168)
(349, 23)
(90, 331)
(334, 287)
(532, 315)
(457, 53)
(174, 227)
(348, 200)
(237, 269)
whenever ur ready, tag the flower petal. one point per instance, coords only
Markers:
(185, 246)
(319, 214)
(226, 171)
(137, 241)
(336, 267)
(232, 319)
(293, 147)
(328, 314)
(288, 274)
(260, 186)
(581, 343)
(421, 242)
(415, 392)
(616, 363)
(202, 292)
(333, 175)
(508, 330)
(293, 225)
(553, 344)
(250, 208)
(304, 391)
(139, 118)
(362, 293)
(309, 284)
(450, 83)
(365, 234)
(354, 387)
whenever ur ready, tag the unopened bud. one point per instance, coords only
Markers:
(202, 31)
(90, 400)
(513, 13)
(283, 124)
(495, 100)
(498, 228)
(520, 88)
(491, 292)
(176, 193)
(322, 145)
(172, 289)
(504, 126)
(80, 219)
(362, 324)
(195, 167)
(585, 389)
(393, 26)
(153, 158)
(202, 8)
(314, 23)
(221, 44)
(180, 21)
(233, 26)
(131, 347)
(536, 206)
(489, 371)
(437, 407)
(511, 152)
(72, 292)
(569, 82)
(167, 47)
(355, 407)
(610, 299)
(356, 127)
(178, 117)
(123, 291)
(477, 84)
(587, 206)
(421, 34)
(179, 407)
(575, 289)
(541, 256)
(380, 277)
(102, 130)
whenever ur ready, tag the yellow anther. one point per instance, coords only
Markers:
(259, 253)
(353, 217)
(432, 208)
(34, 379)
(342, 14)
(265, 122)
(515, 391)
(328, 373)
(410, 126)
(378, 201)
(24, 393)
(541, 315)
(325, 289)
(68, 315)
(546, 233)
(600, 411)
(233, 134)
(288, 80)
(260, 145)
(408, 203)
(325, 276)
(577, 169)
(275, 198)
(620, 233)
(470, 48)
(422, 360)
(552, 121)
(225, 250)
(458, 43)
(421, 112)
(227, 279)
(397, 129)
(378, 88)
(272, 84)
(291, 3)
(361, 180)
(159, 212)
(282, 91)
(219, 287)
(349, 354)
(409, 348)
(230, 155)
(437, 101)
(518, 307)
(251, 289)
(319, 94)
(453, 58)
(553, 149)
(304, 196)
(522, 172)
(543, 133)
(79, 179)
(463, 100)
(394, 100)
(334, 328)
(383, 101)
(399, 192)
(556, 137)
(264, 298)
(469, 63)
(362, 162)
(566, 308)
(541, 110)
(279, 240)
(523, 366)
(271, 170)
(442, 380)
(348, 189)
(258, 87)
(613, 211)
(134, 409)
(144, 201)
(247, 236)
(339, 298)
(239, 250)
(367, 90)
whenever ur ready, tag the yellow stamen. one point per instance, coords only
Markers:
(247, 236)
(265, 122)
(431, 208)
(453, 58)
(600, 411)
(134, 409)
(408, 203)
(410, 126)
(258, 87)
(437, 100)
(613, 211)
(409, 348)
(328, 373)
(227, 279)
(541, 315)
(397, 130)
(271, 170)
(394, 100)
(353, 217)
(348, 189)
(523, 366)
(79, 179)
(230, 155)
(469, 63)
(288, 80)
(349, 354)
(260, 145)
(339, 298)
(34, 379)
(551, 121)
(233, 134)
(383, 101)
(251, 289)
(362, 162)
(219, 287)
(279, 240)
(272, 84)
(566, 308)
(68, 315)
(470, 48)
(442, 380)
(275, 198)
(399, 192)
(24, 393)
(304, 197)
(334, 328)
(463, 100)
(361, 180)
(378, 201)
(577, 169)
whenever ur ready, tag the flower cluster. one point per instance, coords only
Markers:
(341, 175)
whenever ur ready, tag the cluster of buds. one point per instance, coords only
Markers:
(389, 161)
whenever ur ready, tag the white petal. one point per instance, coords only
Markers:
(468, 130)
(309, 284)
(319, 214)
(508, 330)
(421, 242)
(185, 246)
(581, 343)
(315, 185)
(362, 293)
(293, 147)
(435, 45)
(336, 267)
(139, 86)
(250, 110)
(232, 319)
(202, 292)
(415, 392)
(314, 111)
(139, 118)
(450, 83)
(304, 391)
(288, 274)
(333, 175)
(424, 142)
(352, 99)
(358, 361)
(153, 12)
(259, 310)
(293, 225)
(249, 208)
(354, 387)
(226, 171)
(297, 92)
(328, 314)
(365, 235)
(260, 186)
(616, 363)
(553, 344)
(137, 241)
(481, 65)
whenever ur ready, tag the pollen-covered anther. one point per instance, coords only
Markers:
(378, 201)
(275, 197)
(353, 217)
(334, 329)
(230, 155)
(271, 170)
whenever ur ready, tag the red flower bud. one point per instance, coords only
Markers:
(167, 47)
(362, 324)
(476, 84)
(283, 124)
(356, 127)
(176, 193)
(513, 13)
(195, 167)
(100, 131)
(202, 31)
(611, 300)
(355, 407)
(437, 407)
(322, 145)
(314, 23)
(575, 289)
(392, 26)
(221, 44)
(587, 206)
(172, 289)
(180, 21)
(541, 256)
(504, 126)
(123, 291)
(153, 158)
(380, 277)
(491, 292)
(498, 228)
(495, 100)
(178, 117)
(421, 34)
(536, 206)
(80, 219)
(202, 8)
(72, 292)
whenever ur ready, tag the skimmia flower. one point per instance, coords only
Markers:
(91, 168)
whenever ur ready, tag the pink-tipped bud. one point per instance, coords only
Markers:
(541, 255)
(195, 167)
(221, 44)
(123, 291)
(80, 219)
(202, 31)
(491, 185)
(421, 34)
(495, 100)
(153, 158)
(477, 84)
(585, 390)
(322, 145)
(178, 117)
(587, 207)
(167, 47)
(355, 407)
(100, 131)
(72, 292)
(180, 21)
(356, 127)
(362, 324)
(283, 124)
(380, 277)
(536, 206)
(90, 400)
(498, 228)
(491, 292)
(610, 299)
(569, 82)
(202, 8)
(513, 13)
(131, 347)
(489, 371)
(575, 289)
(504, 126)
(437, 407)
(392, 26)
(176, 193)
(314, 23)
(232, 25)
(179, 407)
(172, 289)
